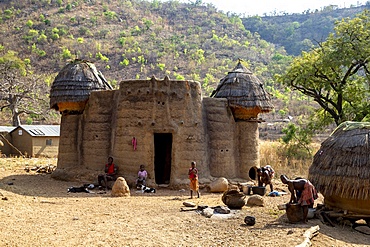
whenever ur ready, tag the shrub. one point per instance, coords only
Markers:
(66, 53)
(29, 23)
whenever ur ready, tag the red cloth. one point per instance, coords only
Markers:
(193, 173)
(309, 194)
(134, 142)
(110, 168)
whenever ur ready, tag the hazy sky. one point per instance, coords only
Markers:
(260, 7)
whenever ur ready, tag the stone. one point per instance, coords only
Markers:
(255, 200)
(120, 188)
(207, 212)
(189, 204)
(219, 185)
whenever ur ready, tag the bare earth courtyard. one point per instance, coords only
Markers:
(36, 210)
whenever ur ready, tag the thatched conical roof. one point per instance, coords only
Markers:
(341, 168)
(73, 84)
(245, 93)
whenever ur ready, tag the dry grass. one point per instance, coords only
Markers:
(272, 153)
(21, 163)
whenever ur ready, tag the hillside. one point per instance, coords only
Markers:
(299, 32)
(133, 39)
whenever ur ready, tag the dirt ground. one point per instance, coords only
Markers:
(36, 210)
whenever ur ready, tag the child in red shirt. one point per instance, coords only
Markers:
(193, 176)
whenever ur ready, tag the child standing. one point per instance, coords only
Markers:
(141, 176)
(193, 176)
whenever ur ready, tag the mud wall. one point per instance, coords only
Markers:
(223, 149)
(96, 128)
(249, 147)
(149, 107)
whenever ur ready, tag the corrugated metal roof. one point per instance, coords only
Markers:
(41, 130)
(6, 128)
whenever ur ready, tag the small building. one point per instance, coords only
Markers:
(5, 146)
(34, 140)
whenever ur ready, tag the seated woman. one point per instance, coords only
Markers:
(142, 175)
(110, 170)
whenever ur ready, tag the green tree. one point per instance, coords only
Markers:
(297, 141)
(336, 74)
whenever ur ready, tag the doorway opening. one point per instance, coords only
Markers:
(162, 157)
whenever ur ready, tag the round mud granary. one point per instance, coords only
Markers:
(341, 168)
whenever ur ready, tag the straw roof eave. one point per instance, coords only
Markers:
(75, 82)
(243, 89)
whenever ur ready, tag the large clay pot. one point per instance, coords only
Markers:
(294, 212)
(233, 199)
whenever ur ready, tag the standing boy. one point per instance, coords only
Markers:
(193, 176)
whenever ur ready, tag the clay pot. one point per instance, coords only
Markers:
(294, 212)
(233, 199)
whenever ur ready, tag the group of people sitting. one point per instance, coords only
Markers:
(110, 174)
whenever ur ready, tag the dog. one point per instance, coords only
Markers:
(78, 189)
(145, 189)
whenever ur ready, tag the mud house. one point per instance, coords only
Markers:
(31, 141)
(164, 124)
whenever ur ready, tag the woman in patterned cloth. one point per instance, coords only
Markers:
(302, 192)
(193, 176)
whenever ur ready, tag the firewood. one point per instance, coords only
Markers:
(326, 217)
(308, 235)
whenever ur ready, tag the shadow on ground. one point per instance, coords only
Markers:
(43, 185)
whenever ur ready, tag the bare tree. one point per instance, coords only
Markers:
(21, 92)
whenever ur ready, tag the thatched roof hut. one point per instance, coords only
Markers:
(341, 168)
(72, 86)
(245, 93)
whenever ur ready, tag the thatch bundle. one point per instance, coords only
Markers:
(245, 93)
(341, 168)
(72, 86)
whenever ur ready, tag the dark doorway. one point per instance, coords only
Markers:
(162, 157)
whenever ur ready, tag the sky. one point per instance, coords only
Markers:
(262, 7)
